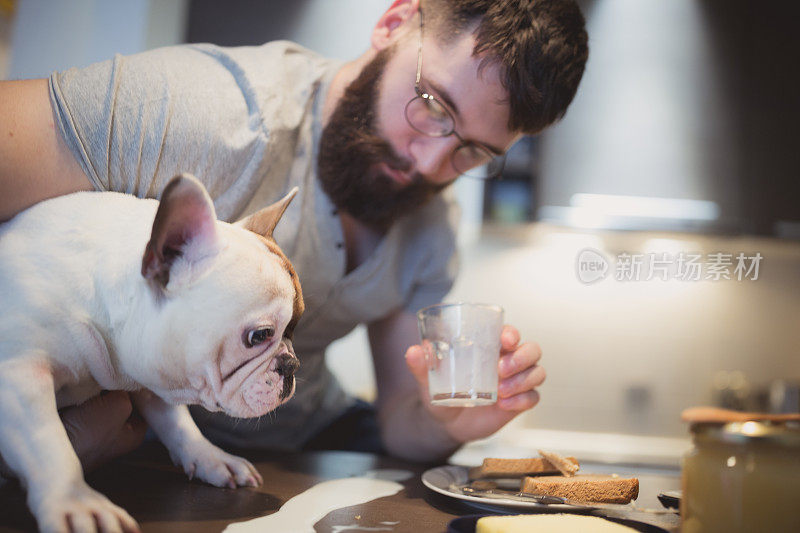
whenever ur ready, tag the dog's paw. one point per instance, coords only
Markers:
(209, 463)
(82, 509)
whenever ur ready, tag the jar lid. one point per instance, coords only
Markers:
(780, 433)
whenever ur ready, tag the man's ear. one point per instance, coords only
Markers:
(385, 31)
(184, 237)
(264, 221)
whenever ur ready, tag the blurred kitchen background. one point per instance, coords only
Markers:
(682, 141)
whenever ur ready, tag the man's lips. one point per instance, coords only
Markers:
(398, 176)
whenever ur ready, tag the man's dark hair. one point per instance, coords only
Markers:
(540, 45)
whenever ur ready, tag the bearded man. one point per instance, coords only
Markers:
(446, 87)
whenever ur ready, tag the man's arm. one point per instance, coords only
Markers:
(35, 163)
(408, 429)
(414, 429)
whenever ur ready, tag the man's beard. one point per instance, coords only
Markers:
(350, 155)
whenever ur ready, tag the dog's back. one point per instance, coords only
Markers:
(57, 259)
(75, 223)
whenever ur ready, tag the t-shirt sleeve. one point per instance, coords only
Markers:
(437, 269)
(134, 122)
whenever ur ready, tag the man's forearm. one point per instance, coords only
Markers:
(410, 432)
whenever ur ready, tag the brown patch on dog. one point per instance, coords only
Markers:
(299, 306)
(263, 223)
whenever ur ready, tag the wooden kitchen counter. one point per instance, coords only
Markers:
(161, 498)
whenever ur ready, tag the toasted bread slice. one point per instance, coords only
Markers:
(564, 465)
(584, 488)
(502, 468)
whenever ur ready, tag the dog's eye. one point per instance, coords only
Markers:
(258, 336)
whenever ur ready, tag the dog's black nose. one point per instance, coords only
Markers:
(287, 364)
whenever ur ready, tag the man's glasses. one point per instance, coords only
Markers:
(428, 116)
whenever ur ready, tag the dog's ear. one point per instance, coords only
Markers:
(184, 239)
(264, 221)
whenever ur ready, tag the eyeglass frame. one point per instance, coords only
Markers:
(420, 94)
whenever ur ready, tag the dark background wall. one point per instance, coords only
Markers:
(758, 44)
(684, 99)
(243, 22)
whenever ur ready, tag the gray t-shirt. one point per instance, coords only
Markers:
(246, 122)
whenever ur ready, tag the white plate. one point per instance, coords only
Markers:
(440, 478)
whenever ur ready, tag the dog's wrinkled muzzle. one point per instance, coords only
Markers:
(287, 365)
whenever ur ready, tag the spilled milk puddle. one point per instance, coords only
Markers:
(300, 513)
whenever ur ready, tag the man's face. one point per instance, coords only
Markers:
(452, 75)
(373, 164)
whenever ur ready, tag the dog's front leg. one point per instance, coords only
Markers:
(35, 446)
(188, 447)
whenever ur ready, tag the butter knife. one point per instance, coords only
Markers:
(502, 494)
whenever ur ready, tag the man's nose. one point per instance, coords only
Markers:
(432, 157)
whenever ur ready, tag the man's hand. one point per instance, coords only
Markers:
(101, 428)
(519, 374)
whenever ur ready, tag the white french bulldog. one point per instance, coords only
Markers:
(108, 291)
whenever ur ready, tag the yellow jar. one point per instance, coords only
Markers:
(742, 477)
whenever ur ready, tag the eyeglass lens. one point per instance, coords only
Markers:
(429, 117)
